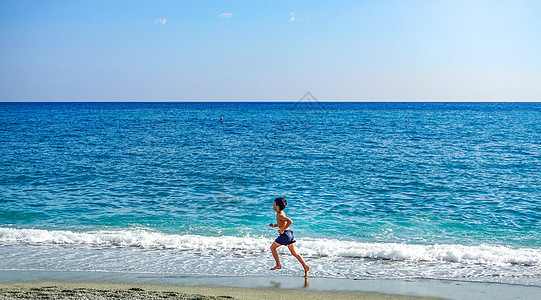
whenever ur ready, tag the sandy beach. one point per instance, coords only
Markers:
(86, 290)
(32, 284)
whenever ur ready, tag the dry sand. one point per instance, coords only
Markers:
(78, 290)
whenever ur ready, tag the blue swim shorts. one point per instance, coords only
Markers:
(285, 238)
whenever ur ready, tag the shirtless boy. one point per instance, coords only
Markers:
(286, 236)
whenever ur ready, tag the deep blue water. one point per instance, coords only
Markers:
(461, 174)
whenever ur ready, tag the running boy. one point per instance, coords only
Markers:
(286, 236)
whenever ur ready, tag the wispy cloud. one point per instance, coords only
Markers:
(225, 15)
(299, 18)
(160, 21)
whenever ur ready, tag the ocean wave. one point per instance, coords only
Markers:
(323, 248)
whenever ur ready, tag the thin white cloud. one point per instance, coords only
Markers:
(292, 19)
(160, 21)
(225, 15)
(299, 18)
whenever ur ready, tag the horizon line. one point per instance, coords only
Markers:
(269, 101)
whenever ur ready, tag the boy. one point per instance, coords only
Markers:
(286, 236)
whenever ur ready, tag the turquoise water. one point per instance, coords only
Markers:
(451, 185)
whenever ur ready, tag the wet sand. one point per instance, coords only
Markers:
(32, 284)
(89, 290)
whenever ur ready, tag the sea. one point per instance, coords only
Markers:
(391, 190)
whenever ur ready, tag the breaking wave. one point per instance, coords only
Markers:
(145, 239)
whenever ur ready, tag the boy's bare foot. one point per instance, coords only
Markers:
(277, 268)
(306, 270)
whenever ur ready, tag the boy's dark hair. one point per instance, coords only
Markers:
(281, 203)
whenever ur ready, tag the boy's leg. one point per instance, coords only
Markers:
(293, 251)
(275, 255)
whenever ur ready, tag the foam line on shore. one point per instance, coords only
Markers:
(145, 239)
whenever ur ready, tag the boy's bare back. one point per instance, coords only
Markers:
(283, 222)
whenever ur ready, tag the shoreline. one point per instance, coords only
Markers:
(95, 290)
(262, 287)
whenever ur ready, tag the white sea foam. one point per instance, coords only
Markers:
(144, 239)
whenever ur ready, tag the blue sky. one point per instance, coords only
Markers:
(270, 50)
